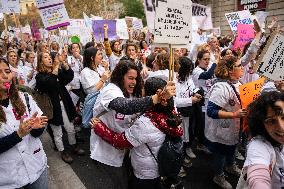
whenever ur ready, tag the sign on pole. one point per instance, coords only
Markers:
(98, 29)
(245, 35)
(173, 22)
(242, 17)
(10, 6)
(202, 15)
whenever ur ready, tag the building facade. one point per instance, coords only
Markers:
(220, 7)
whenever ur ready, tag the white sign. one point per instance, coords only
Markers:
(202, 15)
(149, 6)
(27, 29)
(243, 17)
(45, 3)
(77, 22)
(173, 22)
(121, 29)
(10, 6)
(137, 24)
(271, 63)
(82, 32)
(54, 17)
(261, 17)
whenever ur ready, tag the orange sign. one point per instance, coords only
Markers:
(250, 91)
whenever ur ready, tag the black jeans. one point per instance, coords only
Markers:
(136, 183)
(199, 123)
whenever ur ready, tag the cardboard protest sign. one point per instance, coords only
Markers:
(250, 91)
(137, 24)
(45, 3)
(54, 17)
(82, 32)
(271, 61)
(121, 29)
(173, 22)
(10, 6)
(98, 29)
(202, 15)
(242, 17)
(245, 35)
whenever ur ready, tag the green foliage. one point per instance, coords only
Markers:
(133, 8)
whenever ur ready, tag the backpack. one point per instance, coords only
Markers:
(87, 111)
(170, 156)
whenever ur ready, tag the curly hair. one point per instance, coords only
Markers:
(224, 66)
(40, 66)
(257, 113)
(163, 61)
(16, 101)
(186, 68)
(117, 77)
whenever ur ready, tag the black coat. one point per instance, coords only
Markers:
(54, 86)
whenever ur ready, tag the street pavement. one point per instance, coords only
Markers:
(84, 173)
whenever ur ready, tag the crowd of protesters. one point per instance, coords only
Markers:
(137, 108)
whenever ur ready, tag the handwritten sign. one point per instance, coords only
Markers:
(202, 15)
(137, 24)
(242, 17)
(46, 3)
(121, 29)
(245, 35)
(10, 6)
(77, 22)
(149, 7)
(173, 22)
(271, 61)
(82, 32)
(250, 91)
(54, 17)
(98, 29)
(27, 29)
(251, 5)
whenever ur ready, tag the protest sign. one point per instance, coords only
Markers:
(173, 22)
(137, 24)
(77, 22)
(251, 5)
(129, 21)
(261, 17)
(10, 6)
(27, 29)
(98, 29)
(82, 32)
(121, 29)
(242, 17)
(202, 15)
(88, 21)
(54, 17)
(216, 31)
(149, 7)
(45, 3)
(245, 35)
(271, 61)
(250, 91)
(109, 15)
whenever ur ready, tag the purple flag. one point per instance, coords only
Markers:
(98, 29)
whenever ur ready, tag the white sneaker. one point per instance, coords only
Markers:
(201, 147)
(221, 181)
(239, 156)
(234, 170)
(190, 153)
(182, 173)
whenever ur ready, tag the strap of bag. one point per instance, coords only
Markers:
(28, 102)
(151, 152)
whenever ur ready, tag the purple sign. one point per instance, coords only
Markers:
(98, 29)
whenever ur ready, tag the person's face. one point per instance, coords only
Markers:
(31, 58)
(238, 71)
(274, 122)
(204, 61)
(178, 52)
(155, 65)
(214, 44)
(228, 53)
(12, 58)
(279, 85)
(129, 81)
(44, 47)
(54, 46)
(116, 46)
(75, 49)
(99, 57)
(144, 45)
(157, 50)
(46, 60)
(5, 75)
(131, 51)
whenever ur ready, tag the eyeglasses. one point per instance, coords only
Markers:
(274, 119)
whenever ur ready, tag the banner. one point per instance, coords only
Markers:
(173, 22)
(250, 91)
(10, 6)
(245, 35)
(45, 3)
(251, 5)
(98, 29)
(121, 29)
(202, 15)
(242, 17)
(54, 17)
(271, 61)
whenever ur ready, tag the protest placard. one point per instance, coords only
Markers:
(77, 22)
(10, 6)
(109, 15)
(137, 24)
(271, 61)
(98, 29)
(173, 22)
(261, 17)
(202, 15)
(250, 91)
(245, 35)
(26, 29)
(121, 29)
(149, 7)
(46, 3)
(82, 32)
(129, 21)
(54, 17)
(242, 17)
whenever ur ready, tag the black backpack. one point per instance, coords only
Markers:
(170, 156)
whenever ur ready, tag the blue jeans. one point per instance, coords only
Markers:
(223, 155)
(40, 183)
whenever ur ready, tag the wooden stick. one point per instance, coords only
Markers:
(170, 63)
(5, 25)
